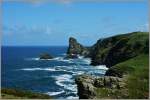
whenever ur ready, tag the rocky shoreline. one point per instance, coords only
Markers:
(110, 52)
(87, 85)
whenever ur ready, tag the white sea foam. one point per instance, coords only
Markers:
(56, 58)
(72, 97)
(66, 78)
(56, 68)
(32, 58)
(71, 87)
(37, 69)
(82, 60)
(103, 67)
(78, 73)
(61, 59)
(37, 59)
(62, 78)
(55, 93)
(80, 57)
(87, 60)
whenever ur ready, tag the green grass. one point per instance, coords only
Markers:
(9, 96)
(134, 70)
(16, 94)
(136, 78)
(137, 71)
(138, 81)
(129, 45)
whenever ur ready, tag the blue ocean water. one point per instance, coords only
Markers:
(22, 68)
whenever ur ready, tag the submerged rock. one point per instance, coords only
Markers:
(46, 56)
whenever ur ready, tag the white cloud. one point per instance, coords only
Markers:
(24, 30)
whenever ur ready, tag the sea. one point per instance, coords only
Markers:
(21, 68)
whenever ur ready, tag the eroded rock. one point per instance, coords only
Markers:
(76, 49)
(87, 85)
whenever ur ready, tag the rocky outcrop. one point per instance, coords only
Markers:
(88, 85)
(45, 56)
(76, 49)
(85, 87)
(113, 50)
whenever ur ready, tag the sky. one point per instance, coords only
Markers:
(52, 23)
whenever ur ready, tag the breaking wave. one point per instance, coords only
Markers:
(61, 79)
(55, 93)
(36, 69)
(102, 67)
(54, 59)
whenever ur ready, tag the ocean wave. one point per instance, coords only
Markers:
(56, 59)
(55, 93)
(36, 69)
(71, 87)
(37, 58)
(82, 61)
(62, 78)
(56, 68)
(87, 60)
(72, 97)
(80, 57)
(70, 69)
(102, 67)
(65, 78)
(78, 73)
(63, 60)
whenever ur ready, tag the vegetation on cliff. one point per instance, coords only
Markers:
(127, 57)
(113, 50)
(136, 74)
(10, 93)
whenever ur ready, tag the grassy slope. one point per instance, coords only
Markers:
(137, 43)
(136, 79)
(20, 94)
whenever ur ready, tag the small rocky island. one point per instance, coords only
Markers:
(45, 56)
(126, 56)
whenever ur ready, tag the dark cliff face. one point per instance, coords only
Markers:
(76, 48)
(110, 51)
(125, 55)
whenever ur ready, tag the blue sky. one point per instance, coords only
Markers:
(52, 23)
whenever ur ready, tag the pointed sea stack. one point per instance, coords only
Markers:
(76, 49)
